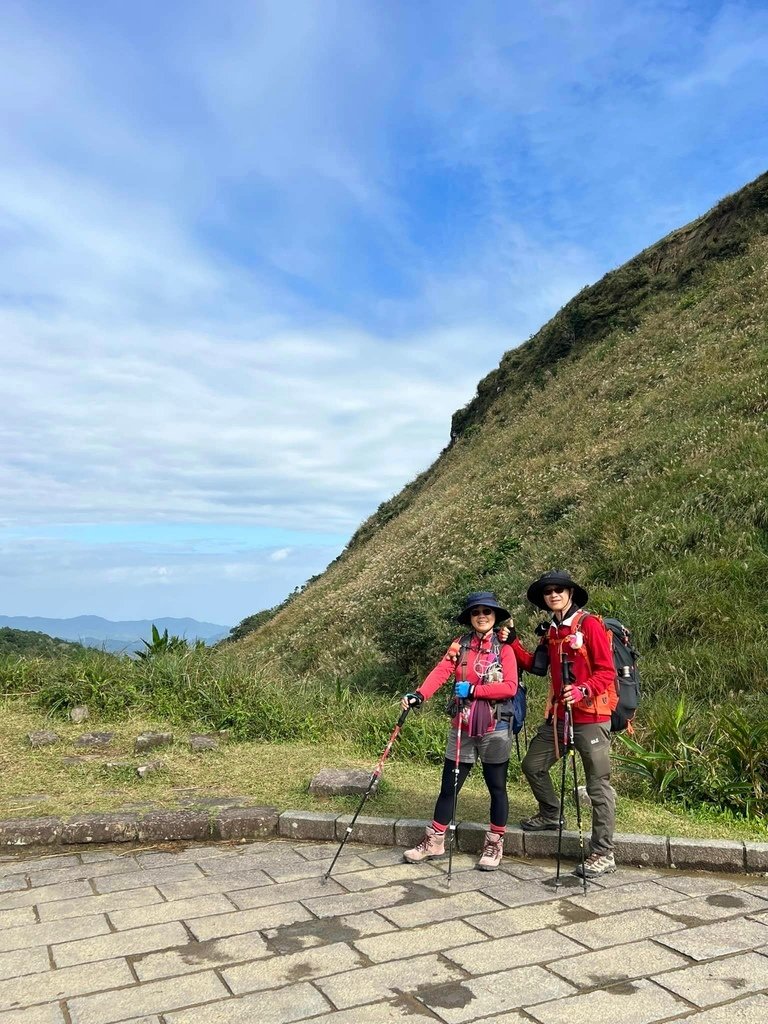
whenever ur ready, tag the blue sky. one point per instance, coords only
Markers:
(255, 254)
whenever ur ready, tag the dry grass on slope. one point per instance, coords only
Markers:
(638, 464)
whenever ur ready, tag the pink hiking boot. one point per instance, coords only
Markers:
(432, 845)
(493, 848)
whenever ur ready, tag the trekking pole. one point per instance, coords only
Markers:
(576, 800)
(456, 769)
(375, 776)
(567, 680)
(561, 821)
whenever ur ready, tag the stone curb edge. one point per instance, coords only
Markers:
(242, 823)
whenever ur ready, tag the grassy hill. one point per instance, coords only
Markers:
(626, 441)
(32, 644)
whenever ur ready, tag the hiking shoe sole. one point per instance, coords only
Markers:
(548, 826)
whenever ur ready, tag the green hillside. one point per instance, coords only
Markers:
(31, 644)
(626, 441)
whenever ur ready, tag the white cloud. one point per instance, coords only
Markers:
(252, 263)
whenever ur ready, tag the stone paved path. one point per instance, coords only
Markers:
(215, 934)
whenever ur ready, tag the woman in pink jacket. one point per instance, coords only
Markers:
(485, 674)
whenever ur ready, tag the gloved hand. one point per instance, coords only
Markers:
(411, 700)
(463, 690)
(572, 694)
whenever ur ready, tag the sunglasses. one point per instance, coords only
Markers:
(482, 611)
(553, 590)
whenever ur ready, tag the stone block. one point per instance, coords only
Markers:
(173, 825)
(79, 714)
(120, 944)
(153, 997)
(60, 984)
(648, 1003)
(626, 926)
(375, 831)
(100, 828)
(30, 831)
(199, 744)
(409, 831)
(372, 984)
(441, 908)
(278, 971)
(544, 844)
(307, 825)
(757, 856)
(707, 854)
(469, 836)
(42, 738)
(95, 739)
(151, 740)
(245, 822)
(643, 851)
(716, 981)
(292, 1003)
(514, 842)
(150, 768)
(619, 963)
(341, 782)
(717, 940)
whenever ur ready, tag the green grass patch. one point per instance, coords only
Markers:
(39, 782)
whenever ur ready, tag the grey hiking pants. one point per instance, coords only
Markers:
(593, 742)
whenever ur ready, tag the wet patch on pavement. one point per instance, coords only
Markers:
(724, 900)
(293, 938)
(450, 995)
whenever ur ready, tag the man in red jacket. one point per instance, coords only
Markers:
(578, 640)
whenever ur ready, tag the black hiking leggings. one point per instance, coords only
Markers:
(495, 776)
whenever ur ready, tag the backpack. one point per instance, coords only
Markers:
(513, 709)
(627, 675)
(627, 680)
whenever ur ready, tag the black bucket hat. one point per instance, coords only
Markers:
(556, 578)
(488, 600)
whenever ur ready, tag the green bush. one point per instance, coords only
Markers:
(703, 756)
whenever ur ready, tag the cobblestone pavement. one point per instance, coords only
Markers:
(214, 934)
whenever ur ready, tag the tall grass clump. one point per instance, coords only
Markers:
(221, 689)
(700, 754)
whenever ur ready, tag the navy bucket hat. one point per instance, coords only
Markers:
(485, 598)
(556, 578)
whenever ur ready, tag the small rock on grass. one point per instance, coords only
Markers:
(94, 739)
(200, 743)
(150, 740)
(43, 738)
(149, 769)
(79, 714)
(341, 782)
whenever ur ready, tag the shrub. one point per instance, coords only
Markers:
(704, 757)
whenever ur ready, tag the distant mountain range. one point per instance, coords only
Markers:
(118, 637)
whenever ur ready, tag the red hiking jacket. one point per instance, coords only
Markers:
(469, 669)
(592, 665)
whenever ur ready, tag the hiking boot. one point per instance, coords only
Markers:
(493, 848)
(538, 823)
(595, 865)
(432, 845)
